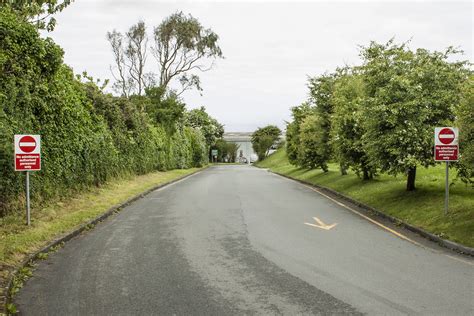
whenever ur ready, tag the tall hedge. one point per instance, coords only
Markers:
(88, 137)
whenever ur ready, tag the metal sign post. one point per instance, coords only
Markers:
(446, 149)
(27, 158)
(214, 153)
(28, 220)
(446, 193)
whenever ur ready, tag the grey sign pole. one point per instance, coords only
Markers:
(28, 198)
(446, 195)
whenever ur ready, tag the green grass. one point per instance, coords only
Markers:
(423, 207)
(18, 240)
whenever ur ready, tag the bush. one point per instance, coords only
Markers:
(88, 137)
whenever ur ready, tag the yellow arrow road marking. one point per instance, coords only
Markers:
(321, 224)
(377, 223)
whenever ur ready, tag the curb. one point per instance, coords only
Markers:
(86, 226)
(442, 242)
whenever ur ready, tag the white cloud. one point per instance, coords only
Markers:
(270, 47)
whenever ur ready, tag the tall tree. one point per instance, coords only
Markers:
(465, 122)
(136, 52)
(298, 113)
(183, 45)
(130, 55)
(408, 94)
(321, 90)
(123, 83)
(312, 153)
(347, 124)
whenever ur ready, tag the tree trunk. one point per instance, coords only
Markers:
(343, 169)
(366, 175)
(325, 168)
(411, 179)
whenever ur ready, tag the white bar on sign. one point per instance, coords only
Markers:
(27, 144)
(446, 136)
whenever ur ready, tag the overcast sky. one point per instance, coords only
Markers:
(270, 48)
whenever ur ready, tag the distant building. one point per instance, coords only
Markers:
(243, 139)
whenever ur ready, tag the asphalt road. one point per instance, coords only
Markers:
(231, 241)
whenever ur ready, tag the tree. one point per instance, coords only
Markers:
(408, 94)
(164, 108)
(37, 12)
(311, 154)
(232, 149)
(347, 124)
(263, 139)
(136, 52)
(130, 55)
(321, 90)
(210, 127)
(465, 123)
(226, 151)
(182, 45)
(299, 113)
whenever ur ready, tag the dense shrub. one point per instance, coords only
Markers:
(88, 137)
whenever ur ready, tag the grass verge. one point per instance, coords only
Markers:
(422, 208)
(48, 223)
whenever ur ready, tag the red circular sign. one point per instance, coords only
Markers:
(446, 136)
(27, 144)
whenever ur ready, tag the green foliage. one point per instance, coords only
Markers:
(381, 116)
(263, 139)
(312, 154)
(210, 127)
(408, 94)
(20, 278)
(165, 108)
(226, 151)
(347, 125)
(299, 113)
(11, 308)
(88, 137)
(38, 12)
(465, 123)
(315, 131)
(182, 45)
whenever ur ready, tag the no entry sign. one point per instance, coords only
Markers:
(27, 152)
(446, 144)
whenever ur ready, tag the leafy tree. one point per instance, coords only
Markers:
(347, 124)
(164, 108)
(226, 151)
(210, 127)
(321, 89)
(408, 94)
(182, 45)
(299, 113)
(465, 122)
(263, 139)
(311, 154)
(37, 12)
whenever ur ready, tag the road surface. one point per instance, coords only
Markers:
(232, 240)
